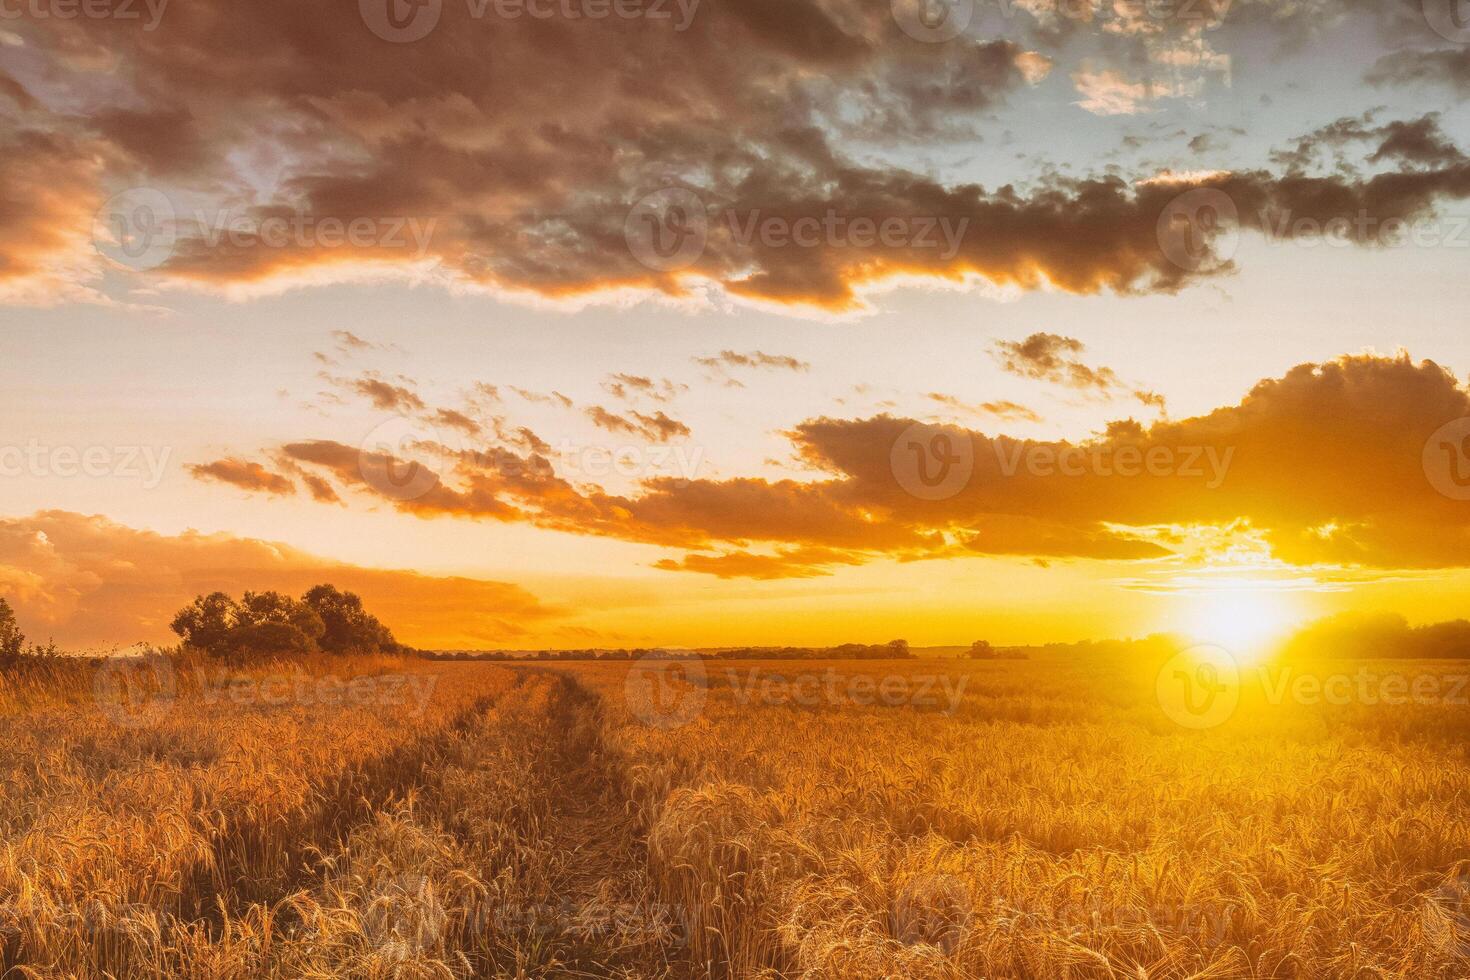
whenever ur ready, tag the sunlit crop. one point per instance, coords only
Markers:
(885, 819)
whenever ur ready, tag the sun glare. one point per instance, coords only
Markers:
(1246, 621)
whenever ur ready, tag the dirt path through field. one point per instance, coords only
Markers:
(604, 910)
(516, 857)
(495, 843)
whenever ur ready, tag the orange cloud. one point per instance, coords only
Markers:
(427, 159)
(657, 427)
(87, 581)
(788, 563)
(245, 475)
(51, 191)
(383, 394)
(1005, 410)
(755, 359)
(457, 420)
(1328, 463)
(1050, 357)
(627, 387)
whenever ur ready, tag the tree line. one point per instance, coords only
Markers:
(892, 650)
(1372, 635)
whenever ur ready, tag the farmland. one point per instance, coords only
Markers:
(395, 817)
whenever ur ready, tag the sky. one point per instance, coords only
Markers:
(725, 322)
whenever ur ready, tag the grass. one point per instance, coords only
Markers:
(938, 819)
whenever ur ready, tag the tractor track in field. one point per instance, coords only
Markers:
(605, 909)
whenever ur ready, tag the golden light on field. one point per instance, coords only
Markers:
(1245, 618)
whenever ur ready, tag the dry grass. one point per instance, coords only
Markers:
(532, 823)
(214, 835)
(1057, 824)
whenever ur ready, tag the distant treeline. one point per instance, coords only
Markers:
(892, 650)
(1380, 635)
(1347, 636)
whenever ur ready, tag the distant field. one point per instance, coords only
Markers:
(922, 818)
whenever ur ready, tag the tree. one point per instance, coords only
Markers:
(206, 623)
(981, 650)
(899, 649)
(12, 640)
(273, 622)
(260, 639)
(279, 609)
(13, 645)
(348, 627)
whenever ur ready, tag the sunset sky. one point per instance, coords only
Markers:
(340, 291)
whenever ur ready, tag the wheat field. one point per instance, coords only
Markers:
(407, 818)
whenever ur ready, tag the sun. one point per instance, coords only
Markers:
(1248, 621)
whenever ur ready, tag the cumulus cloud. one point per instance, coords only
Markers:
(447, 155)
(429, 161)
